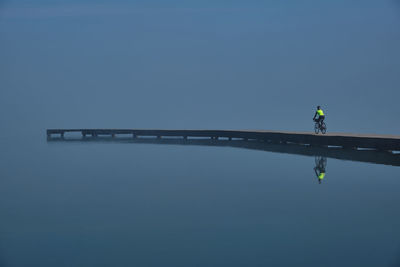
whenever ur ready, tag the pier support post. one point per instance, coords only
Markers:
(349, 147)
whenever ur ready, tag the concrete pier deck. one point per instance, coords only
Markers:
(343, 140)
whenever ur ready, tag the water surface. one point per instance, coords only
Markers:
(99, 203)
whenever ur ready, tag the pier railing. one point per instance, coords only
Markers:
(353, 141)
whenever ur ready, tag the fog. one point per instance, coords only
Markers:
(208, 65)
(196, 65)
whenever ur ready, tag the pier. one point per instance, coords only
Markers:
(338, 140)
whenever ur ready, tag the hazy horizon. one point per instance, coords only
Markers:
(185, 64)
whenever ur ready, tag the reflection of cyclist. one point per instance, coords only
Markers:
(320, 168)
(320, 114)
(320, 174)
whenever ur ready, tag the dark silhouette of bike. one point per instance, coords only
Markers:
(320, 127)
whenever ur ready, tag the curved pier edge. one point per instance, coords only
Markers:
(377, 142)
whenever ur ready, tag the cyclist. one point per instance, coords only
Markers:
(320, 114)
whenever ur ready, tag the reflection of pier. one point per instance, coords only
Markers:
(370, 156)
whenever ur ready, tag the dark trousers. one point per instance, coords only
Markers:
(321, 119)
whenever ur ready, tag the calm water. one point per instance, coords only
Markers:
(114, 204)
(195, 65)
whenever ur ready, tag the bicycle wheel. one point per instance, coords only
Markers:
(316, 128)
(323, 128)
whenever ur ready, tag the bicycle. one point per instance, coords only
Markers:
(319, 127)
